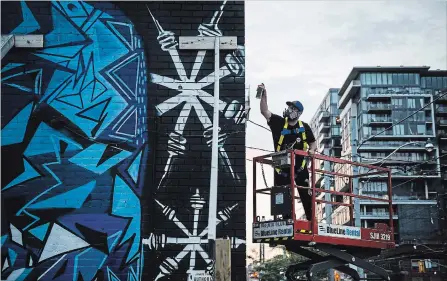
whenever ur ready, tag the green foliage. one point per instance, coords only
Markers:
(275, 268)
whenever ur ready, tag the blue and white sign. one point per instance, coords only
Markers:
(272, 229)
(340, 231)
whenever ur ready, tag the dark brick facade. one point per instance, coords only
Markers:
(106, 141)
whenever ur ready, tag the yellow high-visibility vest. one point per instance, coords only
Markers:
(285, 131)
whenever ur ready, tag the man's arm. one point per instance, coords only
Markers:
(264, 107)
(311, 139)
(312, 147)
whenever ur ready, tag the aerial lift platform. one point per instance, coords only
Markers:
(336, 246)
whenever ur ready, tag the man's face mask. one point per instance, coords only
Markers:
(292, 113)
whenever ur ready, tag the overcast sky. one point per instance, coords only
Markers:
(300, 49)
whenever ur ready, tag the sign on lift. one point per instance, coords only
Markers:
(341, 231)
(272, 229)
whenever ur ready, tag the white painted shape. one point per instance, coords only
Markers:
(61, 241)
(16, 235)
(178, 64)
(207, 43)
(197, 65)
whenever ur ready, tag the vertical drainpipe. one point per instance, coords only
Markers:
(354, 143)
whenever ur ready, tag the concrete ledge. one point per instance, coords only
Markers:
(21, 41)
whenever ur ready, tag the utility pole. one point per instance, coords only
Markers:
(215, 43)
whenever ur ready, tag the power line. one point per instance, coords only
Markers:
(402, 120)
(259, 125)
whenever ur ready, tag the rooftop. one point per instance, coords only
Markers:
(359, 69)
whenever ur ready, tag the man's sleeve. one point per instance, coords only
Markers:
(275, 122)
(309, 134)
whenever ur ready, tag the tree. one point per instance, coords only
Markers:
(275, 268)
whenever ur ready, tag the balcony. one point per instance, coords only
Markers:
(323, 128)
(441, 111)
(324, 145)
(381, 107)
(386, 96)
(402, 159)
(390, 135)
(400, 200)
(350, 92)
(442, 123)
(442, 100)
(323, 138)
(377, 215)
(391, 146)
(324, 115)
(381, 121)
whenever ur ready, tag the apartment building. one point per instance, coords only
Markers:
(325, 125)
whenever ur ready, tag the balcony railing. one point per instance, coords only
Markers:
(392, 145)
(324, 127)
(323, 138)
(380, 106)
(377, 214)
(381, 119)
(323, 115)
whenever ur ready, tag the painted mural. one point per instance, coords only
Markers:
(106, 142)
(180, 236)
(73, 140)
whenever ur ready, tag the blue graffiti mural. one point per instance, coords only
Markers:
(74, 145)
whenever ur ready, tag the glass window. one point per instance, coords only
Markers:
(379, 79)
(400, 79)
(395, 79)
(373, 78)
(368, 79)
(417, 78)
(445, 82)
(412, 129)
(421, 129)
(362, 79)
(384, 78)
(423, 82)
(411, 79)
(428, 82)
(406, 79)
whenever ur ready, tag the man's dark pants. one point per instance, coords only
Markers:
(301, 179)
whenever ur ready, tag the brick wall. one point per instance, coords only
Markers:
(106, 136)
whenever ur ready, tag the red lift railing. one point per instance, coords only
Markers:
(381, 236)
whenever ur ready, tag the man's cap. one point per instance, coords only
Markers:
(296, 104)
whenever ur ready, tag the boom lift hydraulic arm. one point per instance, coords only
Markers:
(335, 246)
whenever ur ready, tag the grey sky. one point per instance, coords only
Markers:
(300, 49)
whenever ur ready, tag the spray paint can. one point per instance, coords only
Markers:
(260, 91)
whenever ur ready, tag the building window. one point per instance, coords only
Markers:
(390, 79)
(379, 79)
(399, 130)
(384, 79)
(373, 78)
(367, 78)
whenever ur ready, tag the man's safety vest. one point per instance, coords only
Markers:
(286, 131)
